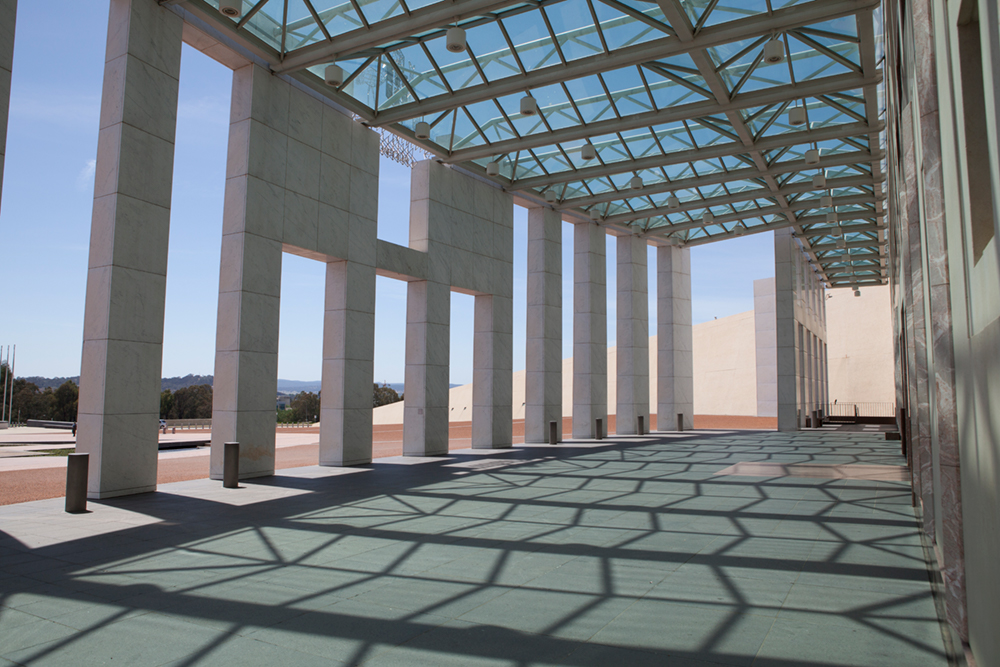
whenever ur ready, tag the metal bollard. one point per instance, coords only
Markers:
(599, 428)
(231, 465)
(640, 430)
(77, 466)
(553, 432)
(680, 421)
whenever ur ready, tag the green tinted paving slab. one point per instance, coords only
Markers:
(629, 552)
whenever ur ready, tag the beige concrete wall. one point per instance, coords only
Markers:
(859, 335)
(725, 366)
(724, 376)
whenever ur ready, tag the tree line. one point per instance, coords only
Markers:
(30, 402)
(194, 402)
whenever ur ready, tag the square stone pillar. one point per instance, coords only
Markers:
(786, 330)
(127, 271)
(8, 17)
(674, 361)
(590, 330)
(492, 361)
(348, 364)
(543, 358)
(632, 400)
(246, 357)
(765, 343)
(428, 327)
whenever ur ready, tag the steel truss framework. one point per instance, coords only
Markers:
(675, 92)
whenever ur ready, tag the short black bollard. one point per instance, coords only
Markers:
(553, 432)
(599, 427)
(641, 430)
(680, 421)
(231, 465)
(76, 482)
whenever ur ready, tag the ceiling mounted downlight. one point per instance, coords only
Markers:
(550, 196)
(588, 152)
(819, 181)
(812, 156)
(826, 201)
(797, 116)
(333, 75)
(493, 169)
(673, 201)
(595, 215)
(707, 217)
(455, 39)
(774, 51)
(422, 130)
(231, 8)
(529, 107)
(635, 183)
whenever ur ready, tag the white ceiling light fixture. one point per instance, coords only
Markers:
(635, 183)
(588, 152)
(231, 8)
(529, 107)
(836, 231)
(812, 156)
(819, 181)
(422, 130)
(707, 217)
(841, 243)
(455, 39)
(857, 292)
(826, 201)
(550, 196)
(333, 75)
(493, 168)
(774, 50)
(797, 116)
(595, 215)
(738, 230)
(831, 217)
(673, 201)
(846, 257)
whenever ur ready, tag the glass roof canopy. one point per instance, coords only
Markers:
(675, 92)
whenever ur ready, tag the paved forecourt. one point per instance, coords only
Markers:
(649, 550)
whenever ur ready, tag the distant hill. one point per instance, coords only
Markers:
(51, 383)
(175, 383)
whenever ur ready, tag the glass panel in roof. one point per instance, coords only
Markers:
(531, 40)
(456, 67)
(574, 28)
(490, 120)
(766, 75)
(548, 97)
(380, 10)
(419, 72)
(621, 30)
(491, 51)
(338, 17)
(667, 93)
(627, 91)
(731, 10)
(590, 100)
(466, 134)
(523, 125)
(392, 91)
(362, 87)
(527, 166)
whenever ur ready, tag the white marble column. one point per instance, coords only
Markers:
(543, 355)
(348, 364)
(126, 279)
(675, 371)
(590, 330)
(786, 330)
(246, 357)
(425, 413)
(632, 400)
(8, 18)
(492, 361)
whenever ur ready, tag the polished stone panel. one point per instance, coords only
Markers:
(674, 360)
(126, 279)
(543, 342)
(590, 330)
(632, 400)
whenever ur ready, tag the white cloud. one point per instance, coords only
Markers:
(85, 179)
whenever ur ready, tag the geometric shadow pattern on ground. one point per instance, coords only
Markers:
(623, 552)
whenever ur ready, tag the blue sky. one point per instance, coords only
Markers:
(48, 195)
